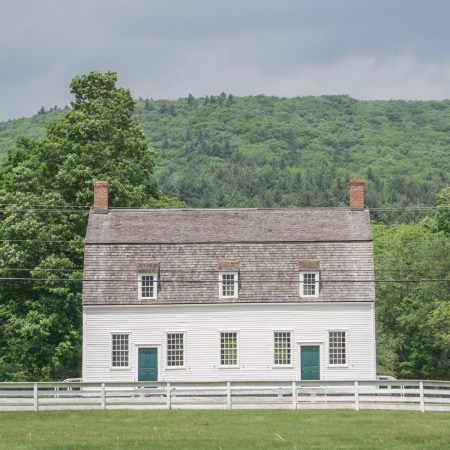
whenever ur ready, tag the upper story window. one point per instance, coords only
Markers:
(337, 348)
(148, 285)
(120, 345)
(228, 284)
(282, 348)
(309, 284)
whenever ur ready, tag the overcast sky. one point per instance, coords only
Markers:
(369, 49)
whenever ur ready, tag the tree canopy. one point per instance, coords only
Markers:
(221, 151)
(98, 138)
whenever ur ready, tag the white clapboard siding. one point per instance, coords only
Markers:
(255, 324)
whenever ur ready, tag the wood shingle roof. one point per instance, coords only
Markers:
(172, 226)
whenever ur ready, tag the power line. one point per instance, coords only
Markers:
(163, 281)
(110, 269)
(408, 208)
(48, 210)
(43, 241)
(60, 241)
(48, 206)
(84, 209)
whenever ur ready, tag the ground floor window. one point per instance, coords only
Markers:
(175, 349)
(282, 348)
(337, 348)
(120, 350)
(228, 348)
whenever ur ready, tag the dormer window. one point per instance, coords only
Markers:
(228, 284)
(309, 284)
(309, 277)
(148, 285)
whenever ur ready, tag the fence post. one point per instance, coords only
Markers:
(228, 395)
(103, 396)
(294, 395)
(356, 396)
(168, 397)
(422, 398)
(35, 397)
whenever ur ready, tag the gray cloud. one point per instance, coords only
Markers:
(165, 49)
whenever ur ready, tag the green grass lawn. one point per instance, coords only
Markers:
(224, 430)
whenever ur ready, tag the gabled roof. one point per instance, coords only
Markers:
(172, 226)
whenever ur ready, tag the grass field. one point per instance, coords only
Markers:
(224, 430)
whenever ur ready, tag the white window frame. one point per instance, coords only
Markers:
(330, 364)
(290, 364)
(236, 284)
(155, 284)
(111, 366)
(229, 366)
(316, 282)
(183, 333)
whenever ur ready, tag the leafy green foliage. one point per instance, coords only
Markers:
(442, 216)
(40, 322)
(224, 151)
(221, 151)
(413, 319)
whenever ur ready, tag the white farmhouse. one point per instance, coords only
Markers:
(228, 294)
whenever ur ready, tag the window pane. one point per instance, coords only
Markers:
(175, 349)
(228, 285)
(282, 347)
(309, 284)
(228, 349)
(120, 350)
(147, 286)
(337, 347)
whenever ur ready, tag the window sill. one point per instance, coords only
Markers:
(282, 366)
(147, 298)
(228, 367)
(176, 367)
(120, 368)
(337, 366)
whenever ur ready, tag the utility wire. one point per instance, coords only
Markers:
(84, 210)
(47, 206)
(44, 241)
(108, 269)
(163, 281)
(60, 241)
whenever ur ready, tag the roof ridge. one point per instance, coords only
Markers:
(314, 208)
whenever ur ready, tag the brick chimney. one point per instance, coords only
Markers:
(100, 197)
(357, 194)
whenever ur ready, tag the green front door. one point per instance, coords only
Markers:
(310, 362)
(147, 364)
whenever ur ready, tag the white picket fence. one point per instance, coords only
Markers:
(399, 395)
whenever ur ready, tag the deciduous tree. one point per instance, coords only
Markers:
(40, 321)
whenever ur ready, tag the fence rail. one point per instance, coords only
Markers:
(405, 395)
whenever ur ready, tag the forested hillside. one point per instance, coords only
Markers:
(262, 151)
(222, 151)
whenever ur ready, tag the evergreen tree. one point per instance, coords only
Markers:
(163, 108)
